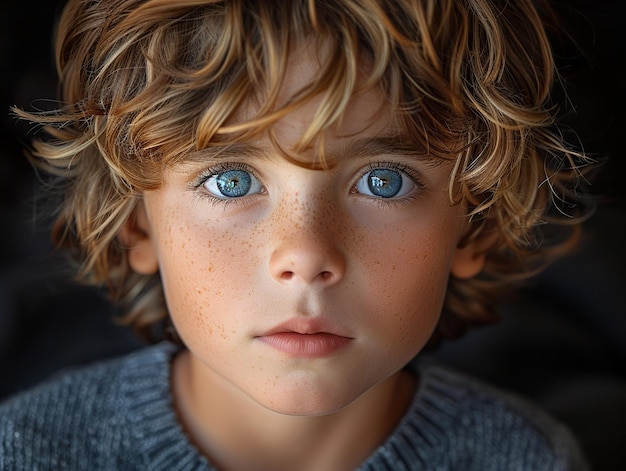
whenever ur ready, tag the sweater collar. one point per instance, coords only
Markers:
(160, 439)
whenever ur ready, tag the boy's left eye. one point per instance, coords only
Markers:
(232, 183)
(385, 183)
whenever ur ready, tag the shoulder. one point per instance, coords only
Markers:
(78, 419)
(457, 422)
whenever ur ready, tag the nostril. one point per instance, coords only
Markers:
(289, 275)
(308, 265)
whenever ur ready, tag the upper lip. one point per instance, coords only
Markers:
(305, 326)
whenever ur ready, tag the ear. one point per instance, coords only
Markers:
(469, 259)
(135, 235)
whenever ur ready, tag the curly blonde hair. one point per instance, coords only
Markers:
(147, 83)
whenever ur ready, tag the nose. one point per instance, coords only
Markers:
(306, 249)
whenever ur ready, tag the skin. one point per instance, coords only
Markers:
(309, 247)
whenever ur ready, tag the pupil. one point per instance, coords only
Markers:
(384, 182)
(234, 183)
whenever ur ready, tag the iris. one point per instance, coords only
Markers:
(384, 182)
(234, 183)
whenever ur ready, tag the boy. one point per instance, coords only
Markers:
(311, 194)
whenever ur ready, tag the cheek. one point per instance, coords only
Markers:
(408, 261)
(206, 273)
(407, 274)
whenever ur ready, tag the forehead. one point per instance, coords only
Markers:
(353, 115)
(313, 112)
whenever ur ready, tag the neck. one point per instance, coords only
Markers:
(238, 434)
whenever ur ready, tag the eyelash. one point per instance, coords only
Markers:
(198, 182)
(413, 174)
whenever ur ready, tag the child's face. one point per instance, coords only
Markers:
(305, 288)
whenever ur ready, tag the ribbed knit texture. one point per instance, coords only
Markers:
(118, 415)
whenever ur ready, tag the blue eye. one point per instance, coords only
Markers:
(385, 183)
(233, 183)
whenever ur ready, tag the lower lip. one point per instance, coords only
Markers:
(306, 345)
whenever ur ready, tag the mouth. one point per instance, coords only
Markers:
(305, 338)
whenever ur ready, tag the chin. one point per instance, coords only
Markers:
(308, 403)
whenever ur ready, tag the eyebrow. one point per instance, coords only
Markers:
(236, 150)
(392, 145)
(379, 145)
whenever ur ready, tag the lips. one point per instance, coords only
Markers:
(306, 338)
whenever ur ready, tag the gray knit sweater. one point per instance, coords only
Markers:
(118, 415)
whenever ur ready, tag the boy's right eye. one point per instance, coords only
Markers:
(231, 183)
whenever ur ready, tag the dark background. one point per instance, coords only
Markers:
(561, 343)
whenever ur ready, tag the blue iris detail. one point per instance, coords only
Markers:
(384, 182)
(234, 183)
